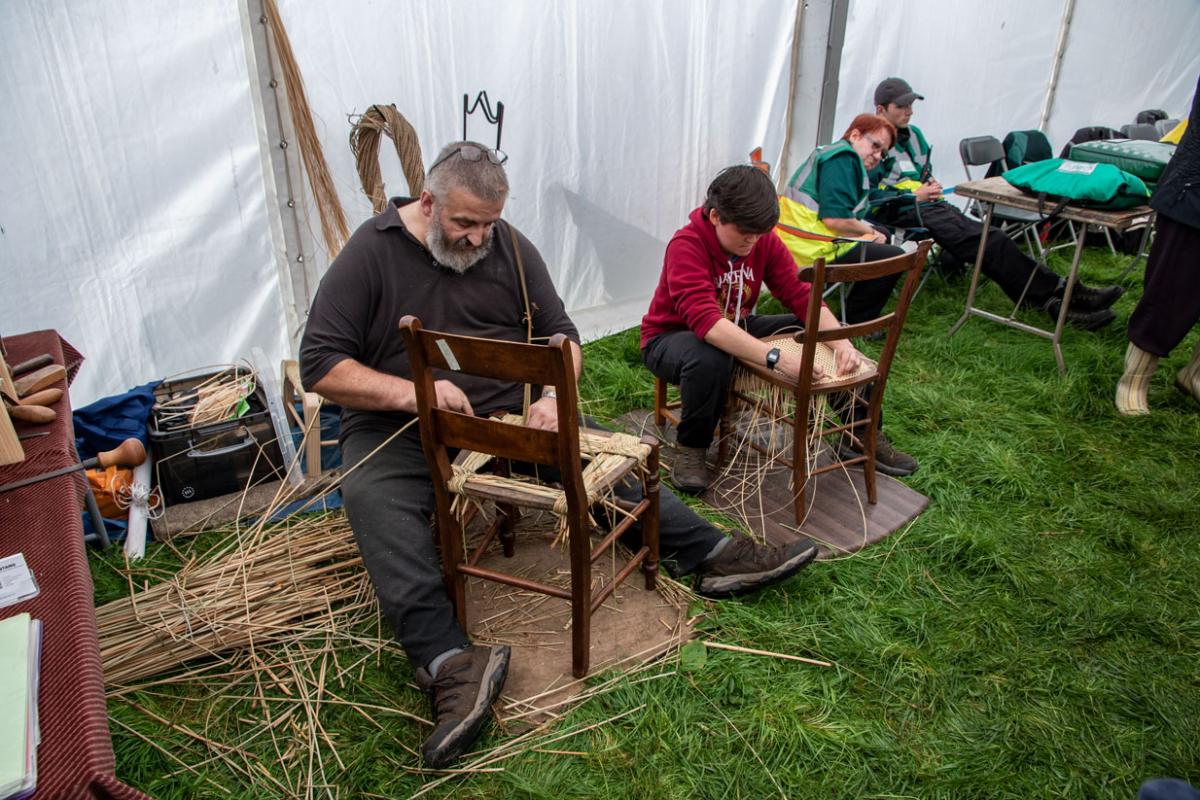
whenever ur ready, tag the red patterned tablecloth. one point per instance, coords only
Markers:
(75, 757)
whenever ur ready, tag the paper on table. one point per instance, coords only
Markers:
(16, 581)
(15, 687)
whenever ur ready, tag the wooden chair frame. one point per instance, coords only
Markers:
(309, 420)
(819, 274)
(443, 430)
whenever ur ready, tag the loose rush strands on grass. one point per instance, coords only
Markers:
(260, 593)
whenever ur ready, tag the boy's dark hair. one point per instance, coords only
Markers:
(743, 196)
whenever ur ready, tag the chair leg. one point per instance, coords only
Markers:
(869, 467)
(725, 431)
(650, 518)
(451, 534)
(508, 513)
(800, 459)
(660, 403)
(581, 594)
(508, 537)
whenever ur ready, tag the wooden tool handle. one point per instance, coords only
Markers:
(38, 415)
(28, 366)
(36, 381)
(129, 453)
(46, 397)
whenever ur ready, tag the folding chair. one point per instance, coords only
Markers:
(459, 488)
(1138, 130)
(756, 385)
(977, 151)
(1165, 126)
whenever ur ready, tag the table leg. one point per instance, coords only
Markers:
(1066, 303)
(93, 510)
(1141, 253)
(987, 223)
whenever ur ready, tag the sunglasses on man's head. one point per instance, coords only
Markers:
(470, 152)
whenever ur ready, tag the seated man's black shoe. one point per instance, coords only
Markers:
(745, 566)
(1085, 320)
(1094, 298)
(461, 694)
(888, 459)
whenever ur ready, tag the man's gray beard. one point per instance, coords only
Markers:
(451, 256)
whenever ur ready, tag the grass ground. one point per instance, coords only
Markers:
(1035, 633)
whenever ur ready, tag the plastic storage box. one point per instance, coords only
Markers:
(199, 462)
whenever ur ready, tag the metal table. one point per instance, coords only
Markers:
(992, 191)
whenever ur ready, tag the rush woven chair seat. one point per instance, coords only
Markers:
(506, 444)
(800, 404)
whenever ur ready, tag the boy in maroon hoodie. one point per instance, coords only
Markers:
(702, 314)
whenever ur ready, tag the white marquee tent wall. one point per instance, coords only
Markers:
(141, 218)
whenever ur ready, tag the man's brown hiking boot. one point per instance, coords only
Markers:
(744, 566)
(461, 694)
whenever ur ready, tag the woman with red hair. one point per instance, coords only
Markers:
(827, 197)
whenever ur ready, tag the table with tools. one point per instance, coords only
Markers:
(42, 521)
(991, 192)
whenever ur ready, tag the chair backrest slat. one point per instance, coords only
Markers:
(495, 438)
(548, 365)
(490, 358)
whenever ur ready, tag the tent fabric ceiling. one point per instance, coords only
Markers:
(137, 218)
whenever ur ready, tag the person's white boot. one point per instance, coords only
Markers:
(1188, 378)
(1134, 385)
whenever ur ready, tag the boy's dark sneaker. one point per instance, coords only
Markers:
(689, 472)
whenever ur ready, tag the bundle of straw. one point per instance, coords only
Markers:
(259, 591)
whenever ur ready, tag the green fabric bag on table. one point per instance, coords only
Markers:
(1060, 181)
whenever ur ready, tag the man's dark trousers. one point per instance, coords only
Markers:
(389, 502)
(702, 373)
(1003, 261)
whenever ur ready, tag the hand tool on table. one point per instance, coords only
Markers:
(40, 379)
(37, 415)
(128, 453)
(46, 397)
(45, 359)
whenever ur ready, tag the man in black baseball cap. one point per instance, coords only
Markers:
(905, 178)
(895, 90)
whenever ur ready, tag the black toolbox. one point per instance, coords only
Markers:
(203, 461)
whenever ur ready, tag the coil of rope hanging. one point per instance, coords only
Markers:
(364, 142)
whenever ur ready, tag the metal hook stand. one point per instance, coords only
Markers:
(494, 116)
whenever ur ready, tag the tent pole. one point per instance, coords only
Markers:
(793, 77)
(296, 254)
(814, 80)
(1060, 50)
